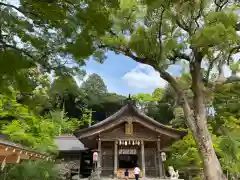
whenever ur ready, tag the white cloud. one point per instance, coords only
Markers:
(144, 77)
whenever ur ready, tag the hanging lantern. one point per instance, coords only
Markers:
(133, 143)
(138, 143)
(163, 156)
(18, 159)
(129, 142)
(120, 142)
(125, 143)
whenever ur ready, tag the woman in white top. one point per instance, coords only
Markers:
(136, 172)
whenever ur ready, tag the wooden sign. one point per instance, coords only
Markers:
(127, 151)
(129, 128)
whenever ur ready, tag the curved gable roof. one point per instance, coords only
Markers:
(129, 108)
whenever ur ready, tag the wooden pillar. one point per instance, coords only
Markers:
(160, 169)
(143, 158)
(80, 159)
(99, 153)
(115, 158)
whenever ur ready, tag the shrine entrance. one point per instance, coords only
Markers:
(127, 161)
(127, 158)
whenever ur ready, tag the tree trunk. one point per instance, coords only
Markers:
(212, 167)
(197, 121)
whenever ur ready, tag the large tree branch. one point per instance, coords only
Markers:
(178, 55)
(160, 33)
(232, 51)
(127, 52)
(32, 58)
(220, 5)
(221, 79)
(200, 12)
(210, 67)
(237, 27)
(5, 45)
(11, 6)
(232, 79)
(181, 24)
(16, 8)
(179, 21)
(165, 75)
(181, 96)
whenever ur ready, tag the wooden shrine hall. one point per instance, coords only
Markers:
(129, 138)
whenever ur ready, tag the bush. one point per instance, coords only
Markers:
(30, 170)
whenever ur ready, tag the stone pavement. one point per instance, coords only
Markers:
(146, 178)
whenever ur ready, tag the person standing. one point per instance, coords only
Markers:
(126, 174)
(136, 172)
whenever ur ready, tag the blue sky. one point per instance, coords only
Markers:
(124, 76)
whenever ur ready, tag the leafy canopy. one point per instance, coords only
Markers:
(41, 35)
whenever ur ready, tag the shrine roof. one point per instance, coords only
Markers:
(5, 141)
(69, 143)
(135, 111)
(11, 150)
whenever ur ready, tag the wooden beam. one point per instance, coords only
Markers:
(115, 158)
(127, 139)
(160, 170)
(99, 164)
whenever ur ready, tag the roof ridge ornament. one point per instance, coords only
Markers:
(130, 101)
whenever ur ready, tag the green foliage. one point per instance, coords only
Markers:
(143, 101)
(64, 125)
(43, 35)
(94, 87)
(158, 93)
(230, 153)
(184, 153)
(30, 170)
(26, 128)
(32, 130)
(64, 85)
(63, 88)
(219, 30)
(226, 100)
(178, 120)
(111, 102)
(155, 105)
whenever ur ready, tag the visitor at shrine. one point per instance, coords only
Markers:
(136, 172)
(126, 174)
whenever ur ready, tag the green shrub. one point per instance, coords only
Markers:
(30, 170)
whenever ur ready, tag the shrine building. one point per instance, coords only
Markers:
(129, 138)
